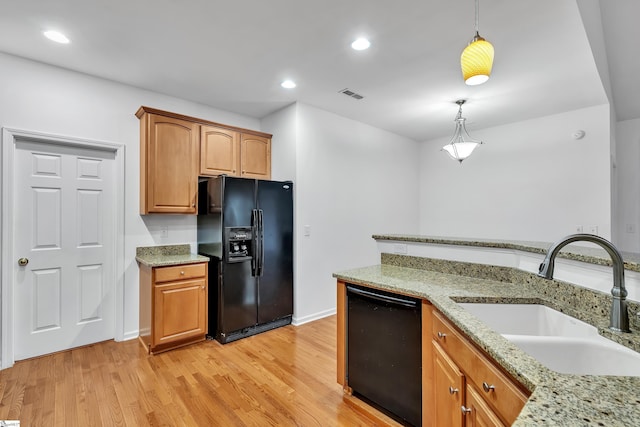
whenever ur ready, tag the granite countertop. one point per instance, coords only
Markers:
(556, 399)
(160, 256)
(574, 251)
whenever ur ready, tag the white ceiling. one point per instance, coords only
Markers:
(233, 55)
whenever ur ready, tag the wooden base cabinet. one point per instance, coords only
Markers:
(477, 411)
(469, 389)
(173, 306)
(449, 386)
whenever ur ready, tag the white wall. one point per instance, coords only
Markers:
(283, 126)
(529, 181)
(628, 181)
(592, 21)
(352, 181)
(38, 97)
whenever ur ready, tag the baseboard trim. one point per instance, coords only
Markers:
(131, 335)
(297, 321)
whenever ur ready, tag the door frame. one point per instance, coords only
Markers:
(10, 137)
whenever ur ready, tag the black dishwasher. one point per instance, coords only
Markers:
(384, 352)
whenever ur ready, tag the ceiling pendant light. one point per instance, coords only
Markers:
(477, 59)
(461, 144)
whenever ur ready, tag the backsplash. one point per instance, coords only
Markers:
(582, 303)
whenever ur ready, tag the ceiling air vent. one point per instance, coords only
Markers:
(351, 93)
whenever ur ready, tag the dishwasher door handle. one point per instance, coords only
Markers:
(382, 297)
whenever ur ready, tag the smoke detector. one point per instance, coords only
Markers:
(579, 134)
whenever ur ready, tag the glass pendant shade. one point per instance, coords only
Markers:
(476, 61)
(460, 150)
(461, 145)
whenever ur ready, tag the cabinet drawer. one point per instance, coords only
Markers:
(179, 272)
(452, 342)
(497, 389)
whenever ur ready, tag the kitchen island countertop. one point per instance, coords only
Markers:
(576, 251)
(556, 399)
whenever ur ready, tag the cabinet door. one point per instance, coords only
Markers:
(171, 156)
(449, 390)
(179, 310)
(219, 151)
(479, 413)
(255, 156)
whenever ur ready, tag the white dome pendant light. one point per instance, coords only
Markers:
(476, 60)
(461, 144)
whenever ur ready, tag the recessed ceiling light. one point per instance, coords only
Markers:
(288, 84)
(361, 44)
(56, 37)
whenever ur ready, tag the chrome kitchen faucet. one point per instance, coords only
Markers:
(619, 319)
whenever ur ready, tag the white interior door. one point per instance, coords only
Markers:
(64, 232)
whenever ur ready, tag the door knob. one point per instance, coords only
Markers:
(23, 261)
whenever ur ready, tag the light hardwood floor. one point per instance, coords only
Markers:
(284, 377)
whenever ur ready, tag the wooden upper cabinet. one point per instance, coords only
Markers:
(234, 153)
(255, 156)
(168, 164)
(175, 149)
(219, 151)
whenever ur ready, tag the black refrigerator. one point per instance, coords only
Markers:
(245, 226)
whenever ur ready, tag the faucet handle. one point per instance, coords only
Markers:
(543, 270)
(546, 268)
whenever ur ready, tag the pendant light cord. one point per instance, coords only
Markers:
(477, 16)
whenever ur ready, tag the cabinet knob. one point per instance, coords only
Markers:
(453, 390)
(182, 273)
(486, 387)
(202, 287)
(465, 410)
(441, 335)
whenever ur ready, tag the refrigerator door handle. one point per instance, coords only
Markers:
(261, 240)
(255, 228)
